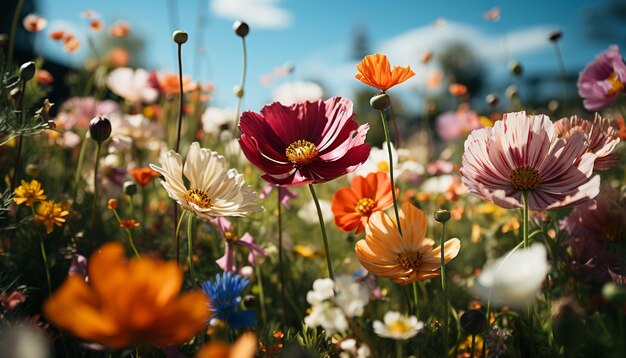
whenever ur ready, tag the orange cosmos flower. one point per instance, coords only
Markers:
(70, 43)
(143, 176)
(119, 29)
(375, 71)
(405, 258)
(57, 35)
(96, 24)
(128, 302)
(129, 224)
(353, 206)
(245, 347)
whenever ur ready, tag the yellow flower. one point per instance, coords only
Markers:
(29, 193)
(50, 213)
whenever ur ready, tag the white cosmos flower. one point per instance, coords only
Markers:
(397, 326)
(219, 122)
(132, 85)
(214, 190)
(308, 212)
(351, 297)
(514, 279)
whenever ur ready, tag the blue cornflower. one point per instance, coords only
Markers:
(225, 294)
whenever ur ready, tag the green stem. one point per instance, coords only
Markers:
(473, 345)
(130, 236)
(259, 278)
(79, 167)
(94, 211)
(525, 240)
(393, 186)
(399, 352)
(281, 267)
(45, 264)
(16, 16)
(444, 290)
(416, 301)
(189, 248)
(177, 231)
(324, 237)
(243, 85)
(180, 94)
(19, 138)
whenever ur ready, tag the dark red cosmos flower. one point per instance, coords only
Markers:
(305, 143)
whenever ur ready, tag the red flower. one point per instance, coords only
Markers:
(143, 176)
(305, 143)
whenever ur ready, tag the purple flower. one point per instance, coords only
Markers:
(602, 80)
(285, 194)
(227, 262)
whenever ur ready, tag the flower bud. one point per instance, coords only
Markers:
(516, 68)
(241, 28)
(180, 37)
(27, 71)
(100, 129)
(473, 321)
(442, 215)
(238, 91)
(555, 36)
(553, 105)
(130, 188)
(249, 301)
(33, 170)
(512, 92)
(492, 99)
(380, 101)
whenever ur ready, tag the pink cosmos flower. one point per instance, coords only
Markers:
(523, 154)
(305, 143)
(454, 125)
(76, 112)
(284, 193)
(602, 134)
(10, 301)
(227, 262)
(602, 80)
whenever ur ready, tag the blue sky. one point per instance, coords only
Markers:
(316, 36)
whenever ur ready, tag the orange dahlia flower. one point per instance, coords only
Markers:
(375, 71)
(128, 302)
(353, 205)
(405, 258)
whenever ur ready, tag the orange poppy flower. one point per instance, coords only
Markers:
(353, 205)
(96, 24)
(244, 347)
(375, 71)
(143, 176)
(405, 258)
(128, 302)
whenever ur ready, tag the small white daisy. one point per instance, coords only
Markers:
(397, 326)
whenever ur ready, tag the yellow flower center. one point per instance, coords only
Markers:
(230, 236)
(410, 260)
(525, 178)
(617, 86)
(383, 166)
(399, 326)
(364, 206)
(199, 197)
(301, 152)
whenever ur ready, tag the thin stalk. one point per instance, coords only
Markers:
(473, 345)
(281, 267)
(259, 278)
(324, 237)
(189, 248)
(19, 138)
(393, 186)
(526, 242)
(559, 59)
(45, 264)
(399, 352)
(444, 290)
(79, 167)
(243, 86)
(180, 125)
(415, 301)
(16, 16)
(394, 126)
(130, 236)
(94, 211)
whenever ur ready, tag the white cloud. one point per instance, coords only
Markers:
(264, 14)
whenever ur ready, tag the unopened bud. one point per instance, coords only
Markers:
(473, 321)
(27, 71)
(555, 36)
(516, 68)
(512, 91)
(380, 101)
(553, 105)
(492, 99)
(99, 129)
(442, 215)
(238, 91)
(249, 301)
(241, 28)
(130, 188)
(180, 37)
